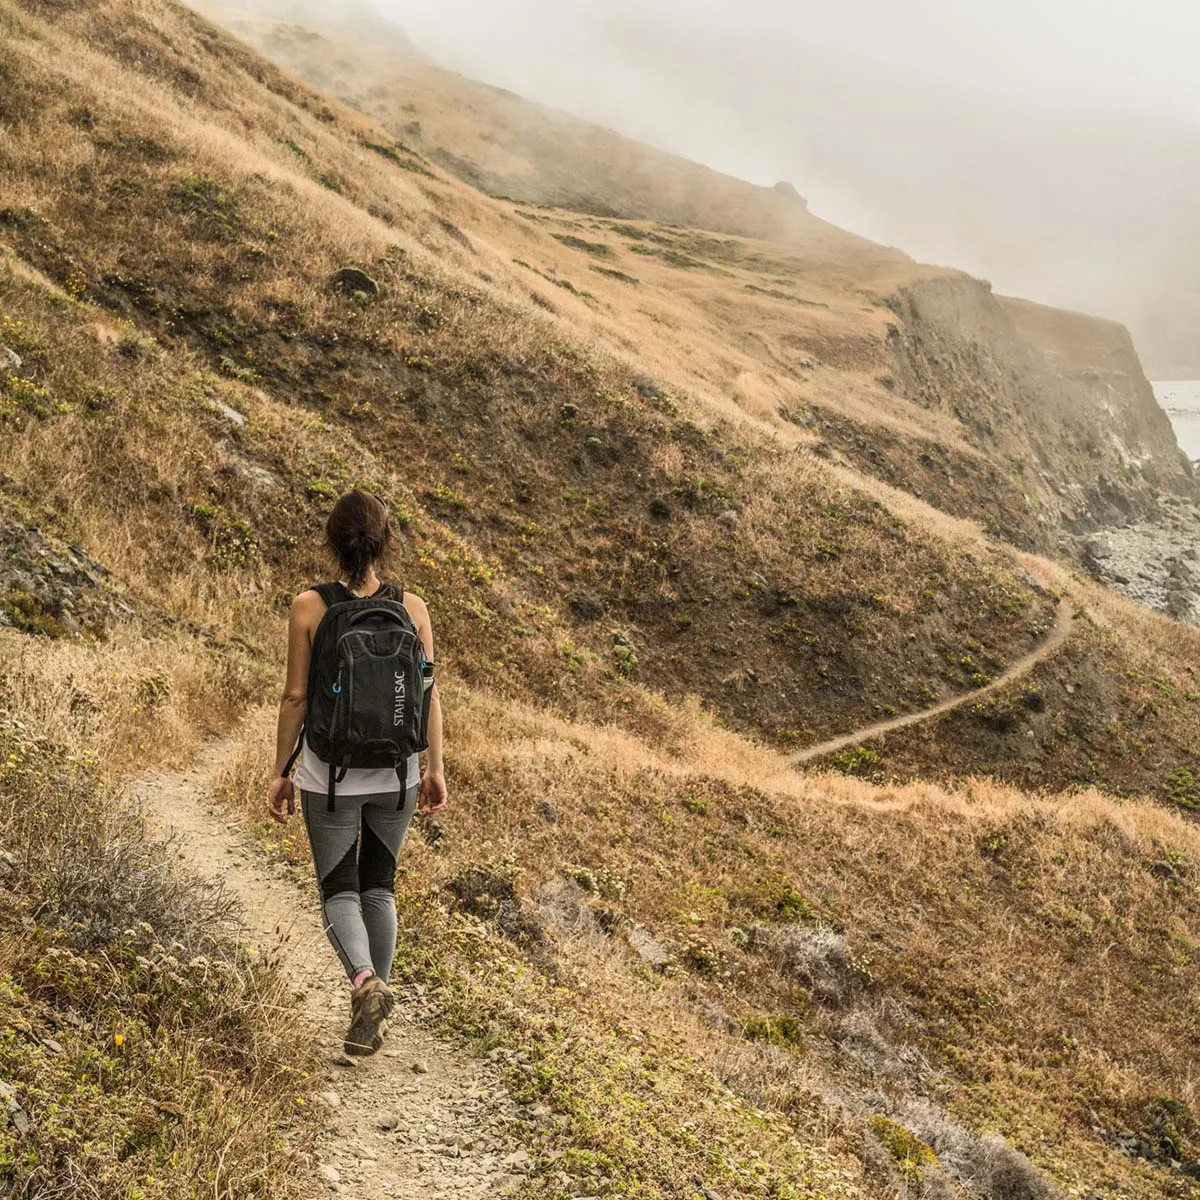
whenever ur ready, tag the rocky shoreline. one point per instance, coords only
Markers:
(1154, 563)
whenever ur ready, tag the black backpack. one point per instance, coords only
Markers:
(369, 685)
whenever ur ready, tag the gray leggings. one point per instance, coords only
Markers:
(355, 849)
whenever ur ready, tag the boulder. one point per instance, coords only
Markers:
(42, 577)
(648, 948)
(352, 281)
(788, 192)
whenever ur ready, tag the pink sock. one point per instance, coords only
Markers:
(361, 978)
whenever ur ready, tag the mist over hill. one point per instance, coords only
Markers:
(1082, 203)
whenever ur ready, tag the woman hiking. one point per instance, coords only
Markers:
(359, 690)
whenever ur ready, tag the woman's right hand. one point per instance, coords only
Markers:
(281, 798)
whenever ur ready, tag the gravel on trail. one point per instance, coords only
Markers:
(419, 1119)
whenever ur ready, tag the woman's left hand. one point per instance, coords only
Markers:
(433, 792)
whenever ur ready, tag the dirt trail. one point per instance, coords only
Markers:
(418, 1119)
(1064, 620)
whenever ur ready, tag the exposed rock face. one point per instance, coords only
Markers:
(48, 587)
(1058, 397)
(1060, 403)
(353, 281)
(787, 191)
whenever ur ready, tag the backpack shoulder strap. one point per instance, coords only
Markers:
(390, 591)
(332, 593)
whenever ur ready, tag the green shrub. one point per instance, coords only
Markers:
(23, 396)
(627, 660)
(235, 370)
(1183, 789)
(856, 761)
(907, 1151)
(783, 1030)
(320, 489)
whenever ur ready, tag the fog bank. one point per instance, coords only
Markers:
(1053, 148)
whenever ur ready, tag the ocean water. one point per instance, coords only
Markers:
(1181, 399)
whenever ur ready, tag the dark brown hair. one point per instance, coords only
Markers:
(359, 533)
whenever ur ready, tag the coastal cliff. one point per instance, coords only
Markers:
(1058, 397)
(1060, 401)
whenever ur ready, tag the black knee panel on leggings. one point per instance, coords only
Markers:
(343, 877)
(376, 864)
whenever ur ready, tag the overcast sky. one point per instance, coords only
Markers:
(1052, 146)
(1066, 52)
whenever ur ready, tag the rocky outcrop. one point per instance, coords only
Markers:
(1058, 399)
(48, 587)
(1153, 563)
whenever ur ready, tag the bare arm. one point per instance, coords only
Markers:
(433, 781)
(294, 703)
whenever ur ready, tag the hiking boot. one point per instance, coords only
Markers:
(370, 1006)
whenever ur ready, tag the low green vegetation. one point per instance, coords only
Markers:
(859, 760)
(626, 660)
(25, 612)
(781, 1030)
(907, 1151)
(211, 204)
(1183, 789)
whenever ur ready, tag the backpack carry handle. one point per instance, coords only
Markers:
(363, 613)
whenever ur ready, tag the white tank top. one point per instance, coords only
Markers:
(312, 775)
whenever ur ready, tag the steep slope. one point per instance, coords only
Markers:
(497, 141)
(1069, 437)
(577, 501)
(1059, 395)
(230, 297)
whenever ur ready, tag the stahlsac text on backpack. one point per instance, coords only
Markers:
(369, 685)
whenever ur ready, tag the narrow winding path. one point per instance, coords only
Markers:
(1064, 620)
(419, 1119)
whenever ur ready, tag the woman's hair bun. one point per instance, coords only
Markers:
(359, 533)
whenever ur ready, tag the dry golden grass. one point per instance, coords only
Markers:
(999, 912)
(147, 1051)
(452, 395)
(985, 925)
(197, 465)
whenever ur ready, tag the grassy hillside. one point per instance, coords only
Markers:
(750, 574)
(500, 142)
(1047, 426)
(226, 298)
